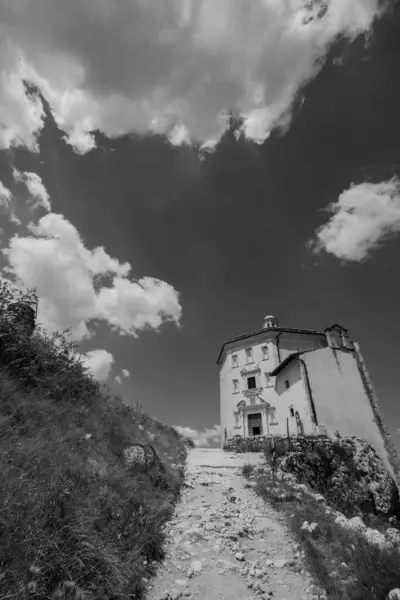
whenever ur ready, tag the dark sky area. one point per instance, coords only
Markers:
(230, 232)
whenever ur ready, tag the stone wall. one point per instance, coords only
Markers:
(258, 443)
(252, 443)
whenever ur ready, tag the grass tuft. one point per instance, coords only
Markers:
(247, 470)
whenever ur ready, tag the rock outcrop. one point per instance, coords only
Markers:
(349, 466)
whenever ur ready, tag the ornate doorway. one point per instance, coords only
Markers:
(255, 424)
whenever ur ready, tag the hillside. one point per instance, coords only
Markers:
(76, 520)
(343, 508)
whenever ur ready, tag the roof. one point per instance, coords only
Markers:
(287, 360)
(336, 325)
(269, 329)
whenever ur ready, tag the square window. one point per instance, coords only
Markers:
(234, 360)
(235, 385)
(287, 384)
(265, 354)
(268, 381)
(249, 355)
(251, 383)
(291, 411)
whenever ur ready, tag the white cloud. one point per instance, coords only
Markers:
(35, 187)
(5, 195)
(21, 114)
(6, 201)
(124, 373)
(204, 438)
(364, 216)
(99, 363)
(68, 278)
(173, 66)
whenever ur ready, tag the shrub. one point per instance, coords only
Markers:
(188, 442)
(247, 470)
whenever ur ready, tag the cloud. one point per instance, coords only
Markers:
(173, 66)
(22, 113)
(99, 363)
(203, 438)
(39, 196)
(5, 195)
(124, 373)
(364, 216)
(35, 187)
(6, 202)
(78, 287)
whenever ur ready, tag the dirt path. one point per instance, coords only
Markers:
(224, 542)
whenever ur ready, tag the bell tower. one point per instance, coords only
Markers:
(270, 321)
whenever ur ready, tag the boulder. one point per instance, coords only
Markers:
(141, 455)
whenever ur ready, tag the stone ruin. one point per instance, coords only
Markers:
(21, 314)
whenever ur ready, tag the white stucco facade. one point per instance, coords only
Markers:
(278, 381)
(247, 391)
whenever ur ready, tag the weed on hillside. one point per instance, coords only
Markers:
(75, 522)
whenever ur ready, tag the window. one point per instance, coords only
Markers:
(287, 384)
(234, 360)
(249, 355)
(251, 383)
(291, 409)
(265, 354)
(235, 386)
(268, 381)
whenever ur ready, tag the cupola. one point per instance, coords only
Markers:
(270, 321)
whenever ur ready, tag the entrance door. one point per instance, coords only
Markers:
(255, 424)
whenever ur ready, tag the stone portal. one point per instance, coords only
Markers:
(255, 424)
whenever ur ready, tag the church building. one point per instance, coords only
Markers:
(279, 381)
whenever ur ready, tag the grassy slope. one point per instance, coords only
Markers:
(342, 562)
(74, 521)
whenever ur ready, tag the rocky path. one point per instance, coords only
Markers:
(225, 543)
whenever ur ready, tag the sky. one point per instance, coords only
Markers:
(156, 228)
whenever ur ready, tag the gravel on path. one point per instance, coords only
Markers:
(224, 542)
